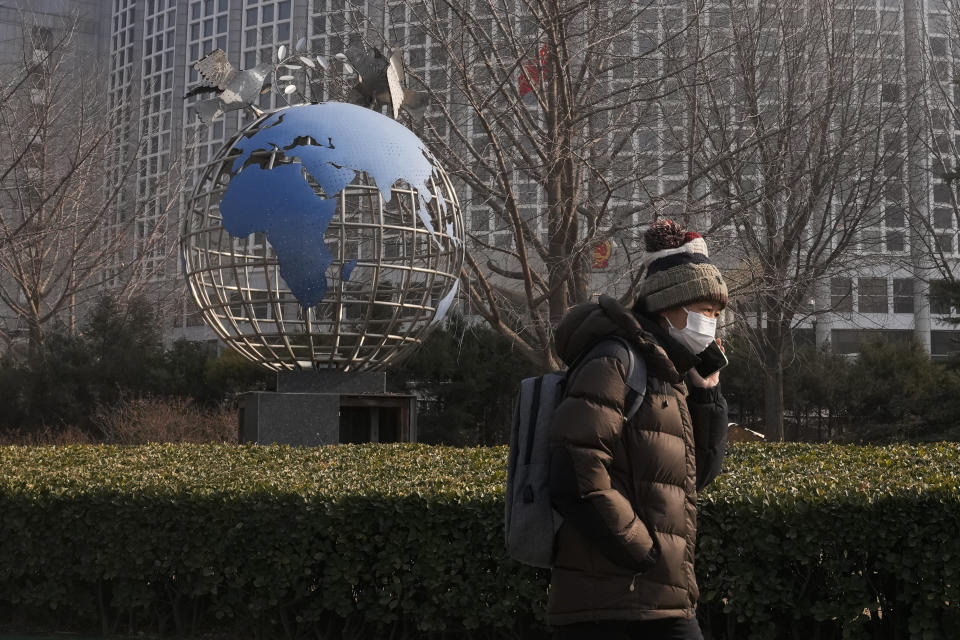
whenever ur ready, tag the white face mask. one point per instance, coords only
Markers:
(698, 334)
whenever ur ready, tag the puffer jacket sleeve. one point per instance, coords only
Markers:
(708, 412)
(586, 428)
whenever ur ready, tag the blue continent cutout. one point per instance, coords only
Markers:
(282, 203)
(294, 219)
(352, 137)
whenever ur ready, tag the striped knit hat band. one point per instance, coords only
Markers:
(679, 270)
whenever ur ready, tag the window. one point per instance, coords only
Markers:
(870, 239)
(941, 193)
(893, 192)
(895, 241)
(841, 294)
(944, 343)
(944, 242)
(480, 220)
(939, 298)
(42, 38)
(194, 319)
(943, 218)
(872, 295)
(895, 217)
(890, 92)
(845, 341)
(893, 167)
(938, 46)
(903, 295)
(417, 58)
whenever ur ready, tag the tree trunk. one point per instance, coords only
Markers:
(34, 338)
(773, 384)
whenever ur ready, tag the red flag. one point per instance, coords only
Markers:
(601, 254)
(531, 72)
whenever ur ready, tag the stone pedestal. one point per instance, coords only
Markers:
(312, 408)
(305, 419)
(331, 382)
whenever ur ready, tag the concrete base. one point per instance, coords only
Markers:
(332, 382)
(312, 408)
(304, 419)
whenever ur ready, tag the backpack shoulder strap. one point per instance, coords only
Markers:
(616, 347)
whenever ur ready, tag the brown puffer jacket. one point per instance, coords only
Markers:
(628, 493)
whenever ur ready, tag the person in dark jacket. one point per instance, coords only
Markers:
(628, 492)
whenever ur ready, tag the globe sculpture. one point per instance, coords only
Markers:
(323, 236)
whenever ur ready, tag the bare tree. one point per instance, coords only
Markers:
(64, 225)
(799, 131)
(548, 113)
(935, 155)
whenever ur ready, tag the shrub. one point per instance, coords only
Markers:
(466, 376)
(230, 374)
(742, 382)
(796, 540)
(889, 392)
(66, 434)
(818, 389)
(146, 420)
(115, 359)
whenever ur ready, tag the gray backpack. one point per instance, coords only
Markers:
(530, 521)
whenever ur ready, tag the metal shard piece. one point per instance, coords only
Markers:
(444, 305)
(415, 103)
(396, 61)
(452, 234)
(370, 67)
(347, 270)
(216, 69)
(301, 43)
(395, 87)
(237, 89)
(289, 89)
(381, 81)
(281, 53)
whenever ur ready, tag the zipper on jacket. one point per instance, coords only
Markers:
(633, 582)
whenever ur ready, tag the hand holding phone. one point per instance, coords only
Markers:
(712, 359)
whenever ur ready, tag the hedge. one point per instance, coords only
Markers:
(812, 541)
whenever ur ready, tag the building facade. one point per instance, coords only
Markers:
(148, 48)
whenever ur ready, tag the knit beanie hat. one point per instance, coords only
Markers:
(679, 270)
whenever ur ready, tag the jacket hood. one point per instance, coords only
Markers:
(586, 324)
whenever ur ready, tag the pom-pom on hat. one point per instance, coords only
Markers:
(679, 270)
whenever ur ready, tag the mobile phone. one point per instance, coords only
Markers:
(712, 359)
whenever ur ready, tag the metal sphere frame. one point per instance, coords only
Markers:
(404, 274)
